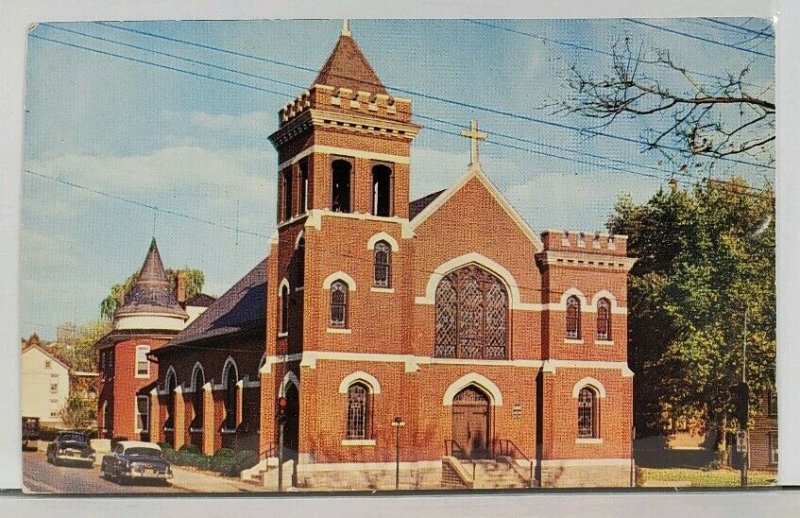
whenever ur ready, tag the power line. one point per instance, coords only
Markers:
(739, 28)
(672, 173)
(699, 38)
(589, 49)
(142, 204)
(442, 99)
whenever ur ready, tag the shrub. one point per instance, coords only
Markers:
(170, 455)
(165, 446)
(246, 459)
(190, 448)
(223, 461)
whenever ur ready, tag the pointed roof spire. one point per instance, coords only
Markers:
(151, 293)
(347, 67)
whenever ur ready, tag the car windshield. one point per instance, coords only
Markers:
(137, 451)
(73, 437)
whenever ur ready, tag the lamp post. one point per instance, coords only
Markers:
(397, 423)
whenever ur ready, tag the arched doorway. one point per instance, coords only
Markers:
(471, 422)
(291, 428)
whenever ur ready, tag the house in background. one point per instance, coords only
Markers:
(45, 385)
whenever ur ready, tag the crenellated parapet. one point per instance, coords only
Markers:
(346, 101)
(585, 242)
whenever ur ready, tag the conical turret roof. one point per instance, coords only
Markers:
(348, 68)
(151, 293)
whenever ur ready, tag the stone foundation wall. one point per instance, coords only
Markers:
(614, 475)
(369, 476)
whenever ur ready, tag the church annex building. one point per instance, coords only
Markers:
(503, 351)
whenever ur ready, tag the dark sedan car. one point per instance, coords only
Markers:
(136, 460)
(70, 447)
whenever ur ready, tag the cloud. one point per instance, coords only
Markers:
(258, 123)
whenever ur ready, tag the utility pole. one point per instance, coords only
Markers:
(744, 410)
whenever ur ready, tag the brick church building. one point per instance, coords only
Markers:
(503, 351)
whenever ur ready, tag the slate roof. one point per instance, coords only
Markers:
(348, 68)
(200, 300)
(152, 292)
(241, 308)
(418, 205)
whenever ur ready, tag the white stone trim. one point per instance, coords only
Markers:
(604, 343)
(229, 361)
(227, 431)
(339, 330)
(300, 235)
(473, 378)
(283, 334)
(246, 383)
(266, 367)
(476, 171)
(284, 284)
(369, 379)
(289, 377)
(563, 463)
(150, 321)
(590, 382)
(315, 220)
(471, 258)
(336, 276)
(604, 294)
(573, 341)
(197, 365)
(348, 152)
(383, 236)
(358, 442)
(381, 290)
(170, 371)
(588, 440)
(569, 293)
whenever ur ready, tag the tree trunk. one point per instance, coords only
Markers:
(721, 450)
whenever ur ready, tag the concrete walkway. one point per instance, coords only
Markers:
(203, 482)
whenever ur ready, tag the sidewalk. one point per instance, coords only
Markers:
(202, 482)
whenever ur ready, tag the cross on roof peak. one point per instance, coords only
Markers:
(474, 135)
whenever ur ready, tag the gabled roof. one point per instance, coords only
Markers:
(347, 67)
(241, 308)
(418, 205)
(475, 171)
(200, 300)
(46, 353)
(151, 293)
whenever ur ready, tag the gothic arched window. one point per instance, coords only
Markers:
(357, 411)
(229, 377)
(573, 318)
(301, 262)
(170, 384)
(381, 190)
(603, 319)
(471, 315)
(339, 291)
(284, 310)
(383, 265)
(287, 195)
(198, 380)
(342, 171)
(587, 414)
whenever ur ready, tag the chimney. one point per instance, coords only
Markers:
(181, 289)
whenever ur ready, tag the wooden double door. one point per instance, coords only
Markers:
(471, 423)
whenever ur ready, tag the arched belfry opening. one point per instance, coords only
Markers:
(381, 190)
(471, 423)
(342, 171)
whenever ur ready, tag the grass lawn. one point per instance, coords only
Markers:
(711, 478)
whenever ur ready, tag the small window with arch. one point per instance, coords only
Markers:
(603, 319)
(383, 265)
(587, 414)
(573, 330)
(339, 295)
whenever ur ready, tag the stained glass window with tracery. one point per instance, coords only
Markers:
(471, 315)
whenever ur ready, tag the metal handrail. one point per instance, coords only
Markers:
(509, 450)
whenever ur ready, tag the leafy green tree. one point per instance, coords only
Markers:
(195, 279)
(80, 350)
(706, 257)
(78, 412)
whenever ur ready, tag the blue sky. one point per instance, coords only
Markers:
(199, 147)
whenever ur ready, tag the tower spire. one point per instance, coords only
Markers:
(346, 27)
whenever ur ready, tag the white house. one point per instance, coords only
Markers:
(45, 385)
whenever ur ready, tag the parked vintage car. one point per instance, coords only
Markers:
(136, 460)
(30, 431)
(70, 447)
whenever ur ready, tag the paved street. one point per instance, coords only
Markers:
(41, 477)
